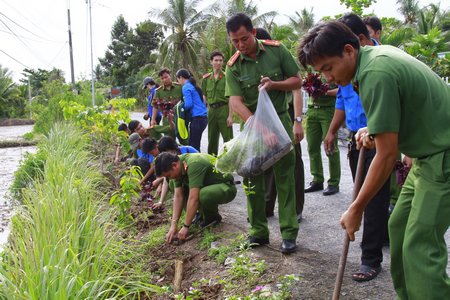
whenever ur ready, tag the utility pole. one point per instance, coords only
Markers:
(72, 72)
(29, 95)
(92, 55)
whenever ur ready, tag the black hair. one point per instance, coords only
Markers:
(164, 161)
(122, 127)
(152, 82)
(214, 54)
(262, 34)
(325, 40)
(163, 71)
(168, 143)
(373, 22)
(237, 21)
(183, 73)
(148, 145)
(355, 23)
(133, 125)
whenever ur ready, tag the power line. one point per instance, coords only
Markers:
(11, 20)
(30, 39)
(14, 59)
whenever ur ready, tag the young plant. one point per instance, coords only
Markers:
(129, 187)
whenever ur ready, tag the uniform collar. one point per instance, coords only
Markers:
(168, 89)
(221, 74)
(260, 47)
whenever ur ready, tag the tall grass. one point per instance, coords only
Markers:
(61, 245)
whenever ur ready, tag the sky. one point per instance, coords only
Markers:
(34, 34)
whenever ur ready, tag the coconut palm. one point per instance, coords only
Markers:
(302, 21)
(184, 24)
(409, 10)
(8, 93)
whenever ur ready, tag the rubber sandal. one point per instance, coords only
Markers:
(366, 273)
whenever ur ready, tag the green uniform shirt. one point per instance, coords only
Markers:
(200, 171)
(213, 88)
(168, 94)
(244, 75)
(401, 94)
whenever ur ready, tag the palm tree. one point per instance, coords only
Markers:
(8, 93)
(184, 24)
(409, 10)
(302, 21)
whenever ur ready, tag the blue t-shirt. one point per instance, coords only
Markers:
(192, 101)
(348, 100)
(145, 155)
(150, 99)
(187, 149)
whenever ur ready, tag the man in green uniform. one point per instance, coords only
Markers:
(408, 109)
(319, 115)
(168, 92)
(198, 185)
(267, 64)
(220, 117)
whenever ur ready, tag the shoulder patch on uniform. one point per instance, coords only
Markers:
(233, 59)
(271, 43)
(206, 75)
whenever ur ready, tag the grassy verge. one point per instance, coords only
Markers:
(62, 245)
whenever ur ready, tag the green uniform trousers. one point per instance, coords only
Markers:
(318, 122)
(213, 195)
(271, 190)
(285, 185)
(217, 125)
(416, 229)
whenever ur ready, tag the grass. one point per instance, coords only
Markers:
(61, 245)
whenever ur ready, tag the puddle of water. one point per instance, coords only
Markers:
(10, 160)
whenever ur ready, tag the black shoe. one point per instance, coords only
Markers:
(253, 242)
(288, 246)
(214, 221)
(269, 214)
(331, 190)
(313, 187)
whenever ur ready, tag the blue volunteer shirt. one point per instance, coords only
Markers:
(145, 155)
(150, 99)
(187, 149)
(348, 100)
(192, 101)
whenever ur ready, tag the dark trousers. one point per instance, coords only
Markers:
(375, 215)
(196, 128)
(271, 190)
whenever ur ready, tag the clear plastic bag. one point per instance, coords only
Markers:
(262, 142)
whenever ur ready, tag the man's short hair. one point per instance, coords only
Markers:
(122, 127)
(237, 21)
(214, 54)
(355, 23)
(163, 71)
(373, 22)
(262, 34)
(164, 161)
(167, 143)
(148, 145)
(133, 125)
(325, 40)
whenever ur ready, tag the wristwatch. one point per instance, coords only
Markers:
(187, 226)
(298, 119)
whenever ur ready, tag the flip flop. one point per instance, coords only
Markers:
(366, 273)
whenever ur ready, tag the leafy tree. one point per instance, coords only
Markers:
(409, 10)
(357, 6)
(395, 33)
